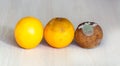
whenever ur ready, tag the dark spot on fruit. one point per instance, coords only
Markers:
(60, 19)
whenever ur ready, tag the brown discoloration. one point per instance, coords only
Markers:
(89, 41)
(59, 19)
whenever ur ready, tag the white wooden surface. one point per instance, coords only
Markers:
(104, 12)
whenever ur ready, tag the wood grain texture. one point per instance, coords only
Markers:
(105, 12)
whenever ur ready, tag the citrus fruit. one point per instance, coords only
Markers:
(88, 34)
(28, 32)
(59, 32)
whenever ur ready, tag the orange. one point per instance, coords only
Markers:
(59, 32)
(28, 32)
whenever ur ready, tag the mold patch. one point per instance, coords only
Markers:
(88, 29)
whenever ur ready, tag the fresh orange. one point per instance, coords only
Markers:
(59, 32)
(28, 32)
